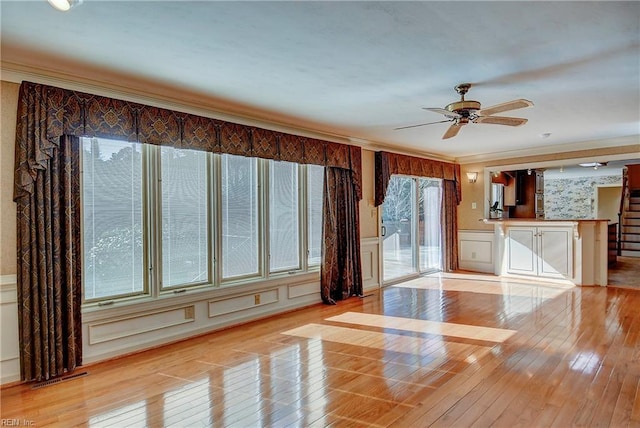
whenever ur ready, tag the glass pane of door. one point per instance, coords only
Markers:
(398, 220)
(430, 197)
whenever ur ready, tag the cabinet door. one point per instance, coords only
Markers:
(555, 249)
(521, 250)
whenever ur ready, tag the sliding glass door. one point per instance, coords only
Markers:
(430, 200)
(411, 227)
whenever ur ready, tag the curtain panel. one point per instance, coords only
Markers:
(65, 112)
(341, 267)
(48, 268)
(388, 164)
(449, 230)
(47, 193)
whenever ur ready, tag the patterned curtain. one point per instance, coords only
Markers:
(449, 226)
(49, 276)
(388, 164)
(341, 274)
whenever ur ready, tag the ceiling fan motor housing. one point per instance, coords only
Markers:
(464, 108)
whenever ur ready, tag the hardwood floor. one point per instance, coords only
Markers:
(626, 272)
(457, 351)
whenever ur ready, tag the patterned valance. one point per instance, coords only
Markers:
(64, 112)
(388, 164)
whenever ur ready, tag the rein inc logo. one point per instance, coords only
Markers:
(16, 422)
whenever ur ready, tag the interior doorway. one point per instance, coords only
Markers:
(607, 202)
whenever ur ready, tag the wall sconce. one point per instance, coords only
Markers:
(472, 176)
(64, 5)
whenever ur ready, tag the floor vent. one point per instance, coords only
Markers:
(58, 380)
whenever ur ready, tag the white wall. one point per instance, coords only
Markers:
(608, 202)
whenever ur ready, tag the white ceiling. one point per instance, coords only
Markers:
(357, 70)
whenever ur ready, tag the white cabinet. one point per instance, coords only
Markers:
(566, 251)
(543, 251)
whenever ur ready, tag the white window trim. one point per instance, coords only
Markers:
(154, 294)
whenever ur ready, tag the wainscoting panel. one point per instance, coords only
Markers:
(9, 346)
(305, 289)
(475, 250)
(142, 323)
(241, 303)
(370, 256)
(122, 329)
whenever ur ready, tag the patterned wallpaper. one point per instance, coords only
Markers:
(573, 198)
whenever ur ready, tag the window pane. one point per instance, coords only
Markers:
(315, 181)
(112, 218)
(239, 216)
(284, 244)
(185, 252)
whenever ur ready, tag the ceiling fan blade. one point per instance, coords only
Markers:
(421, 124)
(501, 120)
(452, 131)
(509, 105)
(451, 114)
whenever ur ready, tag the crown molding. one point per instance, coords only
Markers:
(193, 103)
(568, 148)
(375, 146)
(187, 102)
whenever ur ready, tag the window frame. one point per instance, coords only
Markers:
(156, 222)
(260, 272)
(301, 209)
(146, 257)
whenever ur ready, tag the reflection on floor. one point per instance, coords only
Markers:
(445, 350)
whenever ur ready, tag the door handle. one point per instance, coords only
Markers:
(384, 231)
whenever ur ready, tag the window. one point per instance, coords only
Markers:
(157, 219)
(284, 234)
(239, 216)
(113, 219)
(315, 180)
(184, 190)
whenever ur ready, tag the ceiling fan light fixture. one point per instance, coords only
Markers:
(64, 5)
(594, 165)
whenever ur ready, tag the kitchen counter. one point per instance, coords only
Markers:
(566, 250)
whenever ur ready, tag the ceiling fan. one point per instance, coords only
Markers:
(465, 111)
